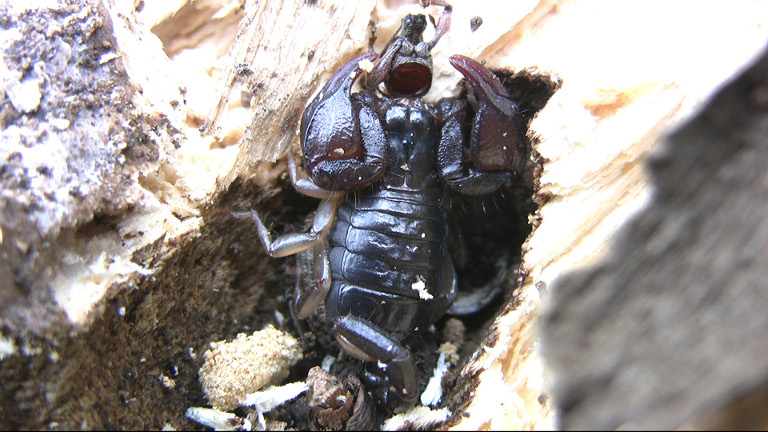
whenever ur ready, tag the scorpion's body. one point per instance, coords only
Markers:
(389, 259)
(381, 162)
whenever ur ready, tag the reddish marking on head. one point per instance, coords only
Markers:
(410, 78)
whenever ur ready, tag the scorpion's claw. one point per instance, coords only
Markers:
(329, 124)
(497, 142)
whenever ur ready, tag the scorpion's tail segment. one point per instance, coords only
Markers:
(498, 141)
(365, 341)
(406, 65)
(342, 139)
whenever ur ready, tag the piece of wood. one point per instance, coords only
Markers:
(110, 295)
(671, 327)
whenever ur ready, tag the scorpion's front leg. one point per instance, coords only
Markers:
(365, 341)
(343, 142)
(497, 146)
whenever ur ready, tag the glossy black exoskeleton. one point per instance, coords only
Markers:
(380, 160)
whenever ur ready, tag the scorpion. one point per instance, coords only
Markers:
(380, 160)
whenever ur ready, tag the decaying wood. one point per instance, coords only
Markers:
(121, 262)
(278, 68)
(671, 326)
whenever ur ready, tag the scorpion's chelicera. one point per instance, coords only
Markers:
(380, 160)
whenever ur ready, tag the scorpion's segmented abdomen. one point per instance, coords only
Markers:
(387, 249)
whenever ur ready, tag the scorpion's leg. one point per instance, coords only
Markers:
(305, 186)
(365, 341)
(343, 141)
(290, 244)
(310, 295)
(497, 145)
(469, 302)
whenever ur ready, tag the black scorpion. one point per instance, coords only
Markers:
(380, 159)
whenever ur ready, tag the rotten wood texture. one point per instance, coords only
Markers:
(671, 326)
(121, 261)
(281, 68)
(73, 143)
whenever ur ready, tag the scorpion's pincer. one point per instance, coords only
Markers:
(497, 142)
(328, 126)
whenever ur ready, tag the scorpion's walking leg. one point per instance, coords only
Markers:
(305, 186)
(309, 296)
(291, 244)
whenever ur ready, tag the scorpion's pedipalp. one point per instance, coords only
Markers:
(341, 135)
(462, 177)
(497, 142)
(360, 170)
(329, 126)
